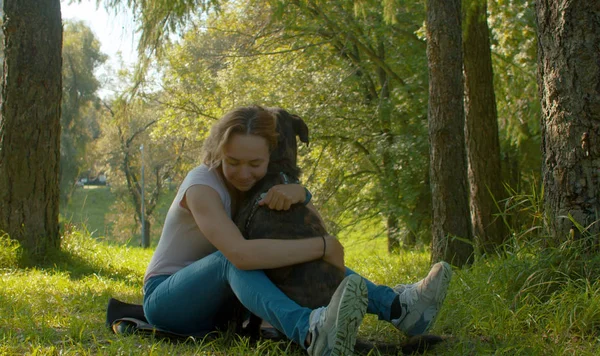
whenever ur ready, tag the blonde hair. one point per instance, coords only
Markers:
(250, 120)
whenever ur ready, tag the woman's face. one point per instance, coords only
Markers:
(245, 160)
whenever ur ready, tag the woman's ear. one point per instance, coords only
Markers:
(300, 128)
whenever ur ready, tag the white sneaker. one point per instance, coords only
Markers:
(422, 301)
(334, 327)
(400, 288)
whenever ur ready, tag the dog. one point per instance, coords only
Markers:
(309, 284)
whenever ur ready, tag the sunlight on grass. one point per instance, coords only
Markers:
(87, 209)
(525, 303)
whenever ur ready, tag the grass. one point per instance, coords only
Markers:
(95, 210)
(522, 304)
(530, 301)
(88, 209)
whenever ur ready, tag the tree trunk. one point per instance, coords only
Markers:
(393, 233)
(389, 182)
(146, 233)
(30, 124)
(420, 217)
(569, 85)
(481, 130)
(448, 161)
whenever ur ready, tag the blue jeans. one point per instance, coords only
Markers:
(195, 298)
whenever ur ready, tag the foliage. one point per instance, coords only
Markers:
(126, 127)
(262, 53)
(105, 213)
(514, 49)
(356, 72)
(81, 56)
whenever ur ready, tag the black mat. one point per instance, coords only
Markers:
(127, 318)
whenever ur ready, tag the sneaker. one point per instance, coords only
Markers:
(422, 301)
(333, 328)
(400, 288)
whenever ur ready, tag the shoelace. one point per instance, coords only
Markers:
(316, 318)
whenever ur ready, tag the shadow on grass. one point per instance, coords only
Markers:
(79, 268)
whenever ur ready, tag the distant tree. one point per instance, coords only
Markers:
(451, 225)
(30, 124)
(481, 129)
(568, 80)
(127, 125)
(81, 57)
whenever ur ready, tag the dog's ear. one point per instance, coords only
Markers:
(300, 128)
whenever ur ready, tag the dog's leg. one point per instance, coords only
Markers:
(253, 327)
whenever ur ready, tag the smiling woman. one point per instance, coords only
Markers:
(239, 146)
(202, 261)
(245, 162)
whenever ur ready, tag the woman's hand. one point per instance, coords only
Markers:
(283, 196)
(334, 252)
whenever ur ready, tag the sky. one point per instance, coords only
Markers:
(115, 32)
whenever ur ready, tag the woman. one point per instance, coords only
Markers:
(202, 261)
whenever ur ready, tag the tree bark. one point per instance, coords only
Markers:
(393, 233)
(481, 130)
(30, 124)
(569, 85)
(389, 182)
(448, 161)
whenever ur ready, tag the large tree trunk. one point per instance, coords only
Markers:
(448, 161)
(30, 124)
(569, 84)
(481, 130)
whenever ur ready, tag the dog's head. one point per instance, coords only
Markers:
(284, 157)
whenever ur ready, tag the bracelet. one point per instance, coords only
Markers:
(324, 246)
(308, 196)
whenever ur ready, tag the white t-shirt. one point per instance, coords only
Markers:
(181, 242)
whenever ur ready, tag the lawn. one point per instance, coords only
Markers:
(96, 210)
(88, 209)
(527, 302)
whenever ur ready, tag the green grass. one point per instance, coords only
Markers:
(88, 209)
(530, 301)
(96, 210)
(522, 304)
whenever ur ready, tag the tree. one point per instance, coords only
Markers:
(81, 56)
(481, 129)
(373, 51)
(515, 69)
(389, 84)
(568, 77)
(448, 162)
(374, 110)
(127, 125)
(30, 124)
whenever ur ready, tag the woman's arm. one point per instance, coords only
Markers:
(283, 196)
(210, 216)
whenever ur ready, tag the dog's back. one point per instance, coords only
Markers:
(309, 284)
